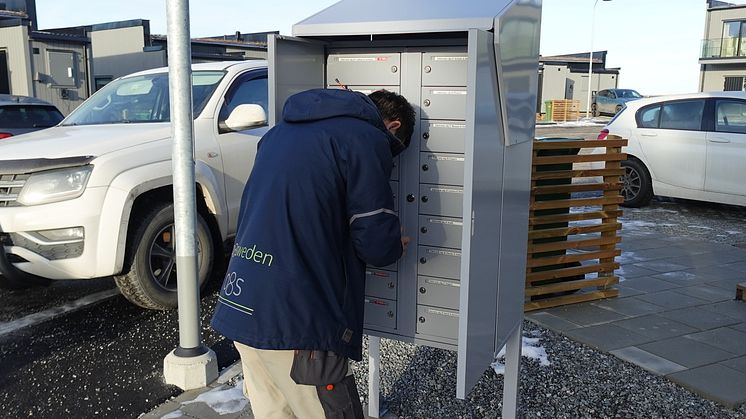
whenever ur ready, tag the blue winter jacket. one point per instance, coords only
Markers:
(316, 209)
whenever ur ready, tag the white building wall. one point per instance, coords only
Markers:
(66, 98)
(553, 84)
(118, 52)
(15, 41)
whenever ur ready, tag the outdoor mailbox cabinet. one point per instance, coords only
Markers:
(462, 187)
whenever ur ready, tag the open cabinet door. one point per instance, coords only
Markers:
(482, 215)
(295, 65)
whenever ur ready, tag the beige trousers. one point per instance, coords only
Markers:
(271, 391)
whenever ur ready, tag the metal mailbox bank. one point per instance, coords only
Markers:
(462, 187)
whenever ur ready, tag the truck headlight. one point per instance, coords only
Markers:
(55, 185)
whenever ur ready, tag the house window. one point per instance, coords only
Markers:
(734, 39)
(733, 84)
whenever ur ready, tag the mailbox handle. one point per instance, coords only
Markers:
(422, 319)
(426, 135)
(423, 260)
(410, 198)
(423, 230)
(425, 168)
(425, 198)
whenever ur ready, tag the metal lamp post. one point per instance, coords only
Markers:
(191, 365)
(590, 61)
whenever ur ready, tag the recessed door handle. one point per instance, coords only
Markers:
(718, 140)
(649, 134)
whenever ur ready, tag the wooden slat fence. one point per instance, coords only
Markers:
(573, 222)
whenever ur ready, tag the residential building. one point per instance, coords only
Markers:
(64, 66)
(566, 77)
(723, 56)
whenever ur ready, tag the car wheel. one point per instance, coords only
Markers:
(618, 109)
(637, 189)
(149, 280)
(594, 110)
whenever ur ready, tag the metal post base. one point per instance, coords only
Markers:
(512, 373)
(374, 376)
(189, 373)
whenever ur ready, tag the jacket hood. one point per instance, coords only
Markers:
(318, 104)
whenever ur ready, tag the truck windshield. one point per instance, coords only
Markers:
(140, 99)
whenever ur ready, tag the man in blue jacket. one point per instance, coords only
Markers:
(316, 209)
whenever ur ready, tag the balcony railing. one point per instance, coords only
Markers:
(723, 48)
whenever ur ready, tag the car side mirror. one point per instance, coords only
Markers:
(246, 116)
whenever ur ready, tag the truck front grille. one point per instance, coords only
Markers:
(10, 187)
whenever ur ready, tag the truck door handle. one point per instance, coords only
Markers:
(718, 140)
(649, 134)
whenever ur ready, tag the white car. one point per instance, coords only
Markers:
(92, 197)
(685, 146)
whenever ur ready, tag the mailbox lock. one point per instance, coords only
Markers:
(422, 319)
(394, 69)
(410, 198)
(426, 102)
(428, 69)
(425, 198)
(423, 230)
(423, 290)
(425, 168)
(423, 260)
(390, 314)
(426, 135)
(391, 285)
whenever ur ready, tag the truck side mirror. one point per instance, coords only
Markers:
(246, 116)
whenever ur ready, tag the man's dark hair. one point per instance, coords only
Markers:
(396, 108)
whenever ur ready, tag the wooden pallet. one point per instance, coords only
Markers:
(572, 241)
(564, 110)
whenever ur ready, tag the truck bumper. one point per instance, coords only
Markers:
(28, 249)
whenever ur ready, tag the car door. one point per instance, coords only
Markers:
(238, 149)
(726, 148)
(673, 142)
(610, 102)
(601, 101)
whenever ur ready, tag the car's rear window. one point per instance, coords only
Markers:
(29, 116)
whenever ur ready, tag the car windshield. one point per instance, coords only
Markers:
(628, 94)
(140, 99)
(29, 116)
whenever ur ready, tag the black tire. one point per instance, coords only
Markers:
(594, 110)
(618, 109)
(149, 277)
(637, 187)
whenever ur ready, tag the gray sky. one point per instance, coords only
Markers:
(655, 42)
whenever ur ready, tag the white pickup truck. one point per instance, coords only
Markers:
(92, 197)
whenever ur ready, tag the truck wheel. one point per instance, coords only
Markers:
(149, 278)
(637, 187)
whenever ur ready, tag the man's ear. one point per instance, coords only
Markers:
(392, 125)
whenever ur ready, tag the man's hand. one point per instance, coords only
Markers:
(404, 241)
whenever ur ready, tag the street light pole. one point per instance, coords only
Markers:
(590, 61)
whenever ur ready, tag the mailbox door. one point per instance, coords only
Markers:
(295, 65)
(483, 202)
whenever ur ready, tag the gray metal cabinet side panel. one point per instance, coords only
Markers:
(511, 286)
(295, 65)
(516, 46)
(483, 205)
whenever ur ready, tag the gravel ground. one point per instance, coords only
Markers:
(580, 382)
(420, 382)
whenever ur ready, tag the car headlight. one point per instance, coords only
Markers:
(55, 185)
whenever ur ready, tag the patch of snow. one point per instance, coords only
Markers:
(733, 232)
(636, 224)
(174, 415)
(224, 400)
(531, 348)
(700, 227)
